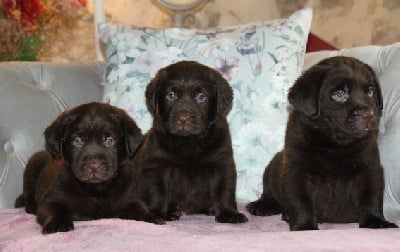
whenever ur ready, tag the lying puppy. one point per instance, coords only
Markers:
(86, 172)
(186, 158)
(329, 169)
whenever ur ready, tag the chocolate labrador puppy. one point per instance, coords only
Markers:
(86, 171)
(186, 157)
(329, 169)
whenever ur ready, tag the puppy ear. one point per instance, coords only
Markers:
(55, 133)
(131, 132)
(134, 137)
(224, 93)
(152, 89)
(305, 92)
(378, 95)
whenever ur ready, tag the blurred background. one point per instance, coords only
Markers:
(63, 30)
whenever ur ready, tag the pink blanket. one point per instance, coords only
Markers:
(20, 232)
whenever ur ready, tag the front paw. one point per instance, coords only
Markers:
(137, 211)
(57, 225)
(231, 217)
(30, 208)
(264, 207)
(301, 224)
(173, 215)
(303, 227)
(375, 222)
(154, 219)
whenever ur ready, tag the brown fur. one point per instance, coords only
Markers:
(86, 171)
(187, 156)
(329, 169)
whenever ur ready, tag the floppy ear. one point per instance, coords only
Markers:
(55, 133)
(224, 93)
(131, 132)
(133, 137)
(152, 89)
(304, 95)
(378, 95)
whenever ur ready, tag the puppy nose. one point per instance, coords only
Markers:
(367, 116)
(183, 118)
(93, 166)
(364, 114)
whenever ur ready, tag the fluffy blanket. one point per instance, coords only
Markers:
(20, 232)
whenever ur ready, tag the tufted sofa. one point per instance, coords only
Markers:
(33, 94)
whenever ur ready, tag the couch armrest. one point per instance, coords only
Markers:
(32, 95)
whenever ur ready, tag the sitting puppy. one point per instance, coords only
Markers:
(329, 169)
(186, 157)
(86, 172)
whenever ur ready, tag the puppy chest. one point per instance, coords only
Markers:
(191, 189)
(96, 207)
(336, 200)
(84, 208)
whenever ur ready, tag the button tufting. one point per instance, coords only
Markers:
(41, 86)
(8, 147)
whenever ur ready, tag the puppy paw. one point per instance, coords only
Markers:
(30, 208)
(173, 216)
(55, 225)
(146, 217)
(375, 222)
(209, 212)
(155, 219)
(303, 227)
(136, 211)
(285, 216)
(263, 207)
(231, 217)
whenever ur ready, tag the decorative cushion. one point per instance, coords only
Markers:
(260, 60)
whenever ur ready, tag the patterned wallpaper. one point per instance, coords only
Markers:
(343, 23)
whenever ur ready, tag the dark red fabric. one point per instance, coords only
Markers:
(315, 43)
(26, 12)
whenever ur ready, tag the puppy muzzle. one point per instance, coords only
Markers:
(363, 120)
(185, 123)
(94, 171)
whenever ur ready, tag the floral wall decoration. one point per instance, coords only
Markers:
(27, 27)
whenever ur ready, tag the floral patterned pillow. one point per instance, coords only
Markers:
(260, 60)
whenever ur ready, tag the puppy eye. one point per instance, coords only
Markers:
(340, 96)
(78, 142)
(200, 98)
(370, 91)
(108, 141)
(172, 96)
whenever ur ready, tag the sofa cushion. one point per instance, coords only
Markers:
(385, 60)
(260, 60)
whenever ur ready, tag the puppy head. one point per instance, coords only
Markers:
(341, 94)
(185, 98)
(93, 139)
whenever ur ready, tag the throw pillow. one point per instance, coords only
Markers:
(260, 60)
